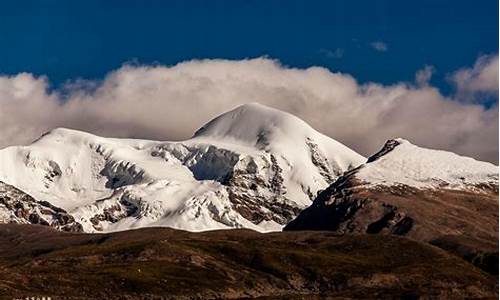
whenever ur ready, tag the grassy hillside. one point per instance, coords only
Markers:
(153, 262)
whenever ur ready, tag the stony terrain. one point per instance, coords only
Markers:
(159, 262)
(19, 207)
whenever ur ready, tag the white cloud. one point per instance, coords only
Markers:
(379, 46)
(170, 103)
(482, 78)
(423, 76)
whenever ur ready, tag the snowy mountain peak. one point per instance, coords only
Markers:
(255, 124)
(279, 132)
(63, 131)
(401, 162)
(60, 134)
(388, 147)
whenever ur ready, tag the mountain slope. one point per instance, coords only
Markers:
(428, 195)
(19, 207)
(154, 263)
(401, 163)
(253, 167)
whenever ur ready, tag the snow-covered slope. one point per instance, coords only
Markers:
(400, 162)
(267, 129)
(253, 167)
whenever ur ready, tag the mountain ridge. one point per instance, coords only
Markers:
(198, 184)
(432, 196)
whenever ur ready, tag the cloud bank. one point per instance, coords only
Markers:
(170, 103)
(480, 80)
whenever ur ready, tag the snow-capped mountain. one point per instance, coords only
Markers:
(402, 163)
(429, 195)
(253, 167)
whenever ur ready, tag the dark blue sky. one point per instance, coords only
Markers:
(86, 39)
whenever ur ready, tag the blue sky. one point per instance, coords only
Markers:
(87, 39)
(128, 55)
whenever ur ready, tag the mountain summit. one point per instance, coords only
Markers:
(276, 131)
(258, 125)
(253, 167)
(255, 123)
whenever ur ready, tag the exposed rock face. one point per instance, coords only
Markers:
(460, 218)
(19, 207)
(349, 207)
